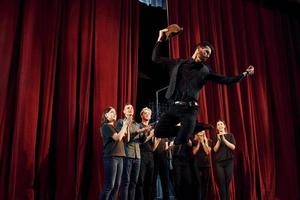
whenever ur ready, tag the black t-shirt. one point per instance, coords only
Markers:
(161, 147)
(147, 146)
(111, 147)
(201, 159)
(224, 152)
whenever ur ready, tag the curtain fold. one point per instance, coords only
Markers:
(61, 63)
(261, 111)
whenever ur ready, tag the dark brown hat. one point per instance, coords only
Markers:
(202, 126)
(173, 30)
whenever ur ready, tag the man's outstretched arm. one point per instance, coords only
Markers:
(230, 80)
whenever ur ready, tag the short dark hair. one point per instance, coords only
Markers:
(206, 44)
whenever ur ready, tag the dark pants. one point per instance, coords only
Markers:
(224, 172)
(166, 126)
(161, 168)
(182, 178)
(113, 167)
(144, 190)
(130, 176)
(201, 183)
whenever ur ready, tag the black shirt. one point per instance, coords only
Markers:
(201, 159)
(147, 146)
(161, 147)
(224, 152)
(111, 147)
(191, 76)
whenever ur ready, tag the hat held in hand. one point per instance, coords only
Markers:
(173, 30)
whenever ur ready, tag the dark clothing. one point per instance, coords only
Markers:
(144, 190)
(161, 168)
(186, 79)
(110, 146)
(224, 172)
(201, 172)
(224, 153)
(166, 126)
(223, 159)
(130, 176)
(132, 161)
(113, 154)
(182, 173)
(202, 184)
(113, 168)
(201, 159)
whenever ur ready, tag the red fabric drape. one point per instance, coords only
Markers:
(61, 63)
(262, 111)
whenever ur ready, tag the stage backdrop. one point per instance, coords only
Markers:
(61, 63)
(262, 111)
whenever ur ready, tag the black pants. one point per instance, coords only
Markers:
(224, 172)
(182, 178)
(166, 126)
(144, 190)
(201, 182)
(161, 168)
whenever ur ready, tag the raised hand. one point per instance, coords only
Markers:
(250, 70)
(162, 35)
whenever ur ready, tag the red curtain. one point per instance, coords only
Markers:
(262, 111)
(61, 63)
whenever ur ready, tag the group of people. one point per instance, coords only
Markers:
(134, 157)
(129, 146)
(130, 153)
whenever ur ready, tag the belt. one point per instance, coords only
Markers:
(183, 103)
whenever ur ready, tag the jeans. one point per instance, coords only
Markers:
(113, 167)
(130, 177)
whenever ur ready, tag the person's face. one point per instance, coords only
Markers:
(221, 126)
(202, 54)
(111, 115)
(128, 111)
(146, 115)
(200, 135)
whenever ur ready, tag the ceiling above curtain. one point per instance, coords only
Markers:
(155, 3)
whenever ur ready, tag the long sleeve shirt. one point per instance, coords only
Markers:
(187, 77)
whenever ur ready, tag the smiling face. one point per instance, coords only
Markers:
(221, 127)
(202, 53)
(146, 114)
